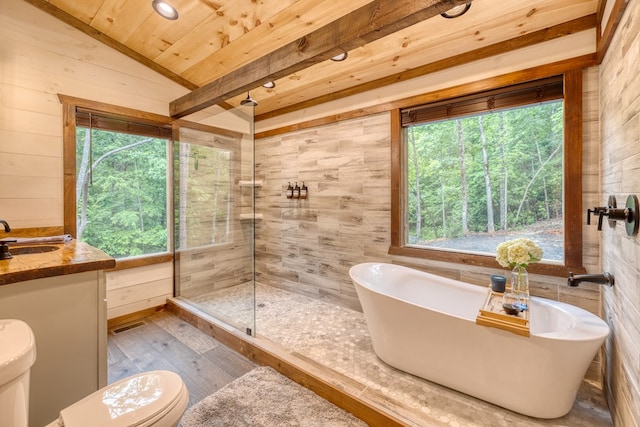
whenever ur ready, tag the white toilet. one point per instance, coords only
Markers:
(17, 354)
(155, 398)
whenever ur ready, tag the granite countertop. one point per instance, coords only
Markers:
(71, 257)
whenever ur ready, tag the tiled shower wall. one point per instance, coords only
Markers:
(307, 246)
(200, 265)
(620, 174)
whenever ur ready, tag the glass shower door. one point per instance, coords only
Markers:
(214, 218)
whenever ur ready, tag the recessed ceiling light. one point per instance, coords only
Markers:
(269, 85)
(340, 57)
(164, 9)
(457, 11)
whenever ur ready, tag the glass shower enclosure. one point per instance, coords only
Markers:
(214, 216)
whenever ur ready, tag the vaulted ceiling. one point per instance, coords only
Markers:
(220, 49)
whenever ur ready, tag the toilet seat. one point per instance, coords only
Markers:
(137, 401)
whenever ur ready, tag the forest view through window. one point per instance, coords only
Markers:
(121, 191)
(473, 181)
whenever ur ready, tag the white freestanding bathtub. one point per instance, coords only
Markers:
(424, 324)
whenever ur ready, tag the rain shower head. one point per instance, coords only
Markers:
(249, 101)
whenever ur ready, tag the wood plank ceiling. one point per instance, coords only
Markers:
(219, 48)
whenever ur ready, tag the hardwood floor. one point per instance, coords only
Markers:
(163, 341)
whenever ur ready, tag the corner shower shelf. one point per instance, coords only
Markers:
(250, 183)
(250, 216)
(493, 315)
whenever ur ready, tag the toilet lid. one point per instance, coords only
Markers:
(129, 402)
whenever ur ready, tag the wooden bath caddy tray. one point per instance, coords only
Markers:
(492, 314)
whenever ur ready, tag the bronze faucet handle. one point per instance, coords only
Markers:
(595, 211)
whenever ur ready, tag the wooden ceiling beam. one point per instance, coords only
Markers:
(529, 39)
(364, 25)
(605, 36)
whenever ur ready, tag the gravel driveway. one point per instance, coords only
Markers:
(551, 242)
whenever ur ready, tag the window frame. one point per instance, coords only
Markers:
(572, 170)
(69, 107)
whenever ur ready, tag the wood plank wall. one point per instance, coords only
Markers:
(307, 246)
(137, 289)
(620, 160)
(42, 57)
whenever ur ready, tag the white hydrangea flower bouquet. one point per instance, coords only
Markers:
(518, 253)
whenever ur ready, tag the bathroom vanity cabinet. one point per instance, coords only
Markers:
(67, 314)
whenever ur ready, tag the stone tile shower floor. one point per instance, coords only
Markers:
(338, 339)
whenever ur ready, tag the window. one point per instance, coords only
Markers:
(121, 196)
(119, 164)
(483, 168)
(118, 201)
(205, 170)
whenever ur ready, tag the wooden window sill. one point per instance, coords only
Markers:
(141, 261)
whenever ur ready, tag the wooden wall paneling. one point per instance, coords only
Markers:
(138, 305)
(30, 143)
(30, 187)
(619, 91)
(131, 277)
(135, 289)
(141, 293)
(35, 231)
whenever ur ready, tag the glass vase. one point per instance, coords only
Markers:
(520, 286)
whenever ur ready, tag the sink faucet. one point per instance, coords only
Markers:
(603, 279)
(6, 225)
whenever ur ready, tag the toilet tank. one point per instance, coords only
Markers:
(17, 355)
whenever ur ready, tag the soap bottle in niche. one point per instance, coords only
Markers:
(296, 191)
(289, 192)
(303, 191)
